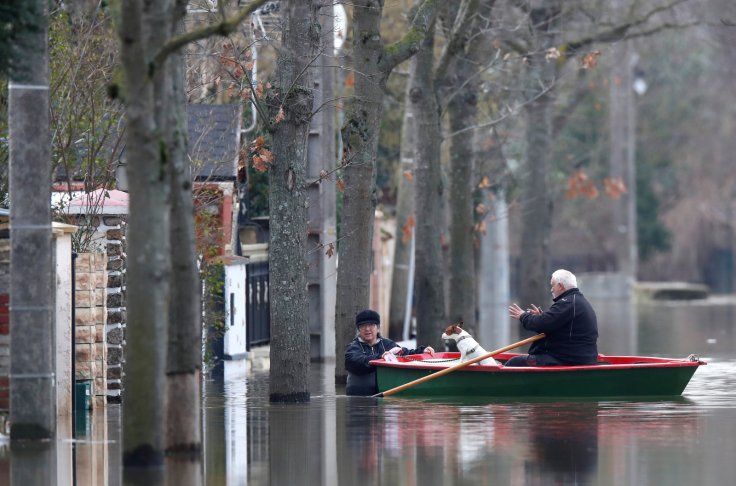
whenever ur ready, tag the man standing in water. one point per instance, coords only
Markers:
(570, 327)
(369, 345)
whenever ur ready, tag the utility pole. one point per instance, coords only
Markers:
(32, 397)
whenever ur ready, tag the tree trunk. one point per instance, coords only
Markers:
(290, 354)
(184, 344)
(33, 394)
(400, 296)
(360, 142)
(462, 112)
(536, 205)
(142, 31)
(373, 64)
(429, 279)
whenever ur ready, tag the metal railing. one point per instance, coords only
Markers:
(257, 305)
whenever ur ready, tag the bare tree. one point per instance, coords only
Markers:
(540, 76)
(290, 111)
(429, 277)
(548, 46)
(373, 64)
(184, 349)
(143, 29)
(147, 40)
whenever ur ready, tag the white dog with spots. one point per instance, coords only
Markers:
(468, 347)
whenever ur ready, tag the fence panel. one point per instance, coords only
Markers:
(257, 305)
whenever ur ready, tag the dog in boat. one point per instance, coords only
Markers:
(469, 347)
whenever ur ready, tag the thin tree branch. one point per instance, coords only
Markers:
(407, 46)
(619, 32)
(223, 28)
(509, 112)
(464, 20)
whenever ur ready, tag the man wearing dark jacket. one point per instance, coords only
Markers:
(369, 345)
(570, 327)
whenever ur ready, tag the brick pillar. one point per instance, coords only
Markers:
(90, 313)
(114, 227)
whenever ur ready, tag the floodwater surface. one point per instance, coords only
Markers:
(339, 440)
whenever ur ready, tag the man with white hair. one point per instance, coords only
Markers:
(570, 327)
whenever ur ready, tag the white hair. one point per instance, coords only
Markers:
(566, 278)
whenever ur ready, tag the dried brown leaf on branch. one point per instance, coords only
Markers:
(257, 144)
(407, 229)
(614, 187)
(408, 175)
(259, 164)
(262, 157)
(590, 60)
(330, 250)
(266, 155)
(279, 116)
(579, 185)
(340, 185)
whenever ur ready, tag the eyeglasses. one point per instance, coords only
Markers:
(363, 327)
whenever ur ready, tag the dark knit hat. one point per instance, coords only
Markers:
(367, 316)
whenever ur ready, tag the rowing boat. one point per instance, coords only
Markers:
(611, 377)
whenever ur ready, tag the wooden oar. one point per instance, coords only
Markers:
(458, 366)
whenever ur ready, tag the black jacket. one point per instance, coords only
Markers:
(571, 329)
(361, 375)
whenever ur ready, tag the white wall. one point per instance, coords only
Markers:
(63, 317)
(235, 313)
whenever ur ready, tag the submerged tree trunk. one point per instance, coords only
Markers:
(289, 375)
(360, 142)
(184, 345)
(429, 279)
(142, 31)
(374, 63)
(155, 124)
(536, 206)
(462, 112)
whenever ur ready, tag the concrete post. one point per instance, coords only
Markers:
(32, 394)
(63, 318)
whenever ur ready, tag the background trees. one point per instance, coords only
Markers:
(373, 63)
(528, 82)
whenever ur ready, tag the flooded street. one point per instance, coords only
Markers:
(339, 440)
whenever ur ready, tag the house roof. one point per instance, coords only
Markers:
(214, 140)
(102, 201)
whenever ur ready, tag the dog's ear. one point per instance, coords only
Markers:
(460, 324)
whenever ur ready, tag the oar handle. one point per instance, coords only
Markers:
(458, 366)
